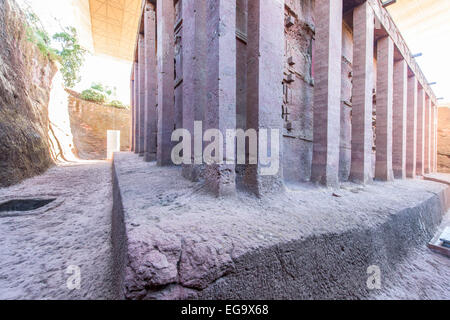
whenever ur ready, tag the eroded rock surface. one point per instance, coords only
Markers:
(176, 241)
(25, 82)
(36, 251)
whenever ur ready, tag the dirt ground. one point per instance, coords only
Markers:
(36, 251)
(423, 275)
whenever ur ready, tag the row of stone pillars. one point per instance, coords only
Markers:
(144, 91)
(405, 115)
(209, 84)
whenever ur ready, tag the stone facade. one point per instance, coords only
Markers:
(336, 80)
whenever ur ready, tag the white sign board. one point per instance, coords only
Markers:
(113, 143)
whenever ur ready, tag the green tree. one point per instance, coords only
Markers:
(37, 35)
(71, 55)
(93, 95)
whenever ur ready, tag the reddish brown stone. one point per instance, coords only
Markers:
(166, 104)
(132, 107)
(385, 82)
(327, 92)
(136, 107)
(363, 81)
(151, 93)
(420, 157)
(265, 62)
(141, 96)
(427, 153)
(221, 87)
(411, 129)
(194, 78)
(400, 119)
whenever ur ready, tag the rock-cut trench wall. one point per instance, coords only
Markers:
(89, 123)
(29, 143)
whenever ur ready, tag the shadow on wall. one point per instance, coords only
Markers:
(444, 139)
(28, 139)
(90, 123)
(36, 129)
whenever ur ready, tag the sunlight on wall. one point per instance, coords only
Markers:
(425, 25)
(110, 72)
(57, 14)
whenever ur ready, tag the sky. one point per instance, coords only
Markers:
(108, 71)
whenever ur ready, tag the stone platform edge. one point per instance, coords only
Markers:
(327, 266)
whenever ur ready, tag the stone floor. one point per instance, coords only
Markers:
(308, 242)
(424, 274)
(35, 251)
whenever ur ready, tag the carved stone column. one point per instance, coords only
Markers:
(420, 156)
(327, 92)
(151, 94)
(363, 80)
(399, 119)
(411, 129)
(194, 79)
(166, 104)
(221, 87)
(385, 90)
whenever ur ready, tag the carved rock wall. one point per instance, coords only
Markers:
(25, 82)
(90, 122)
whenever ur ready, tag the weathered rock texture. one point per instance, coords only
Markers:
(298, 90)
(91, 121)
(25, 82)
(175, 243)
(444, 139)
(75, 229)
(34, 119)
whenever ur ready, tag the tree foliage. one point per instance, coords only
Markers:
(103, 94)
(37, 35)
(68, 50)
(71, 55)
(118, 104)
(93, 95)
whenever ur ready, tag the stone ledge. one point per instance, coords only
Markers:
(174, 241)
(438, 177)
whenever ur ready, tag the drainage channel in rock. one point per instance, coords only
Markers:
(27, 206)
